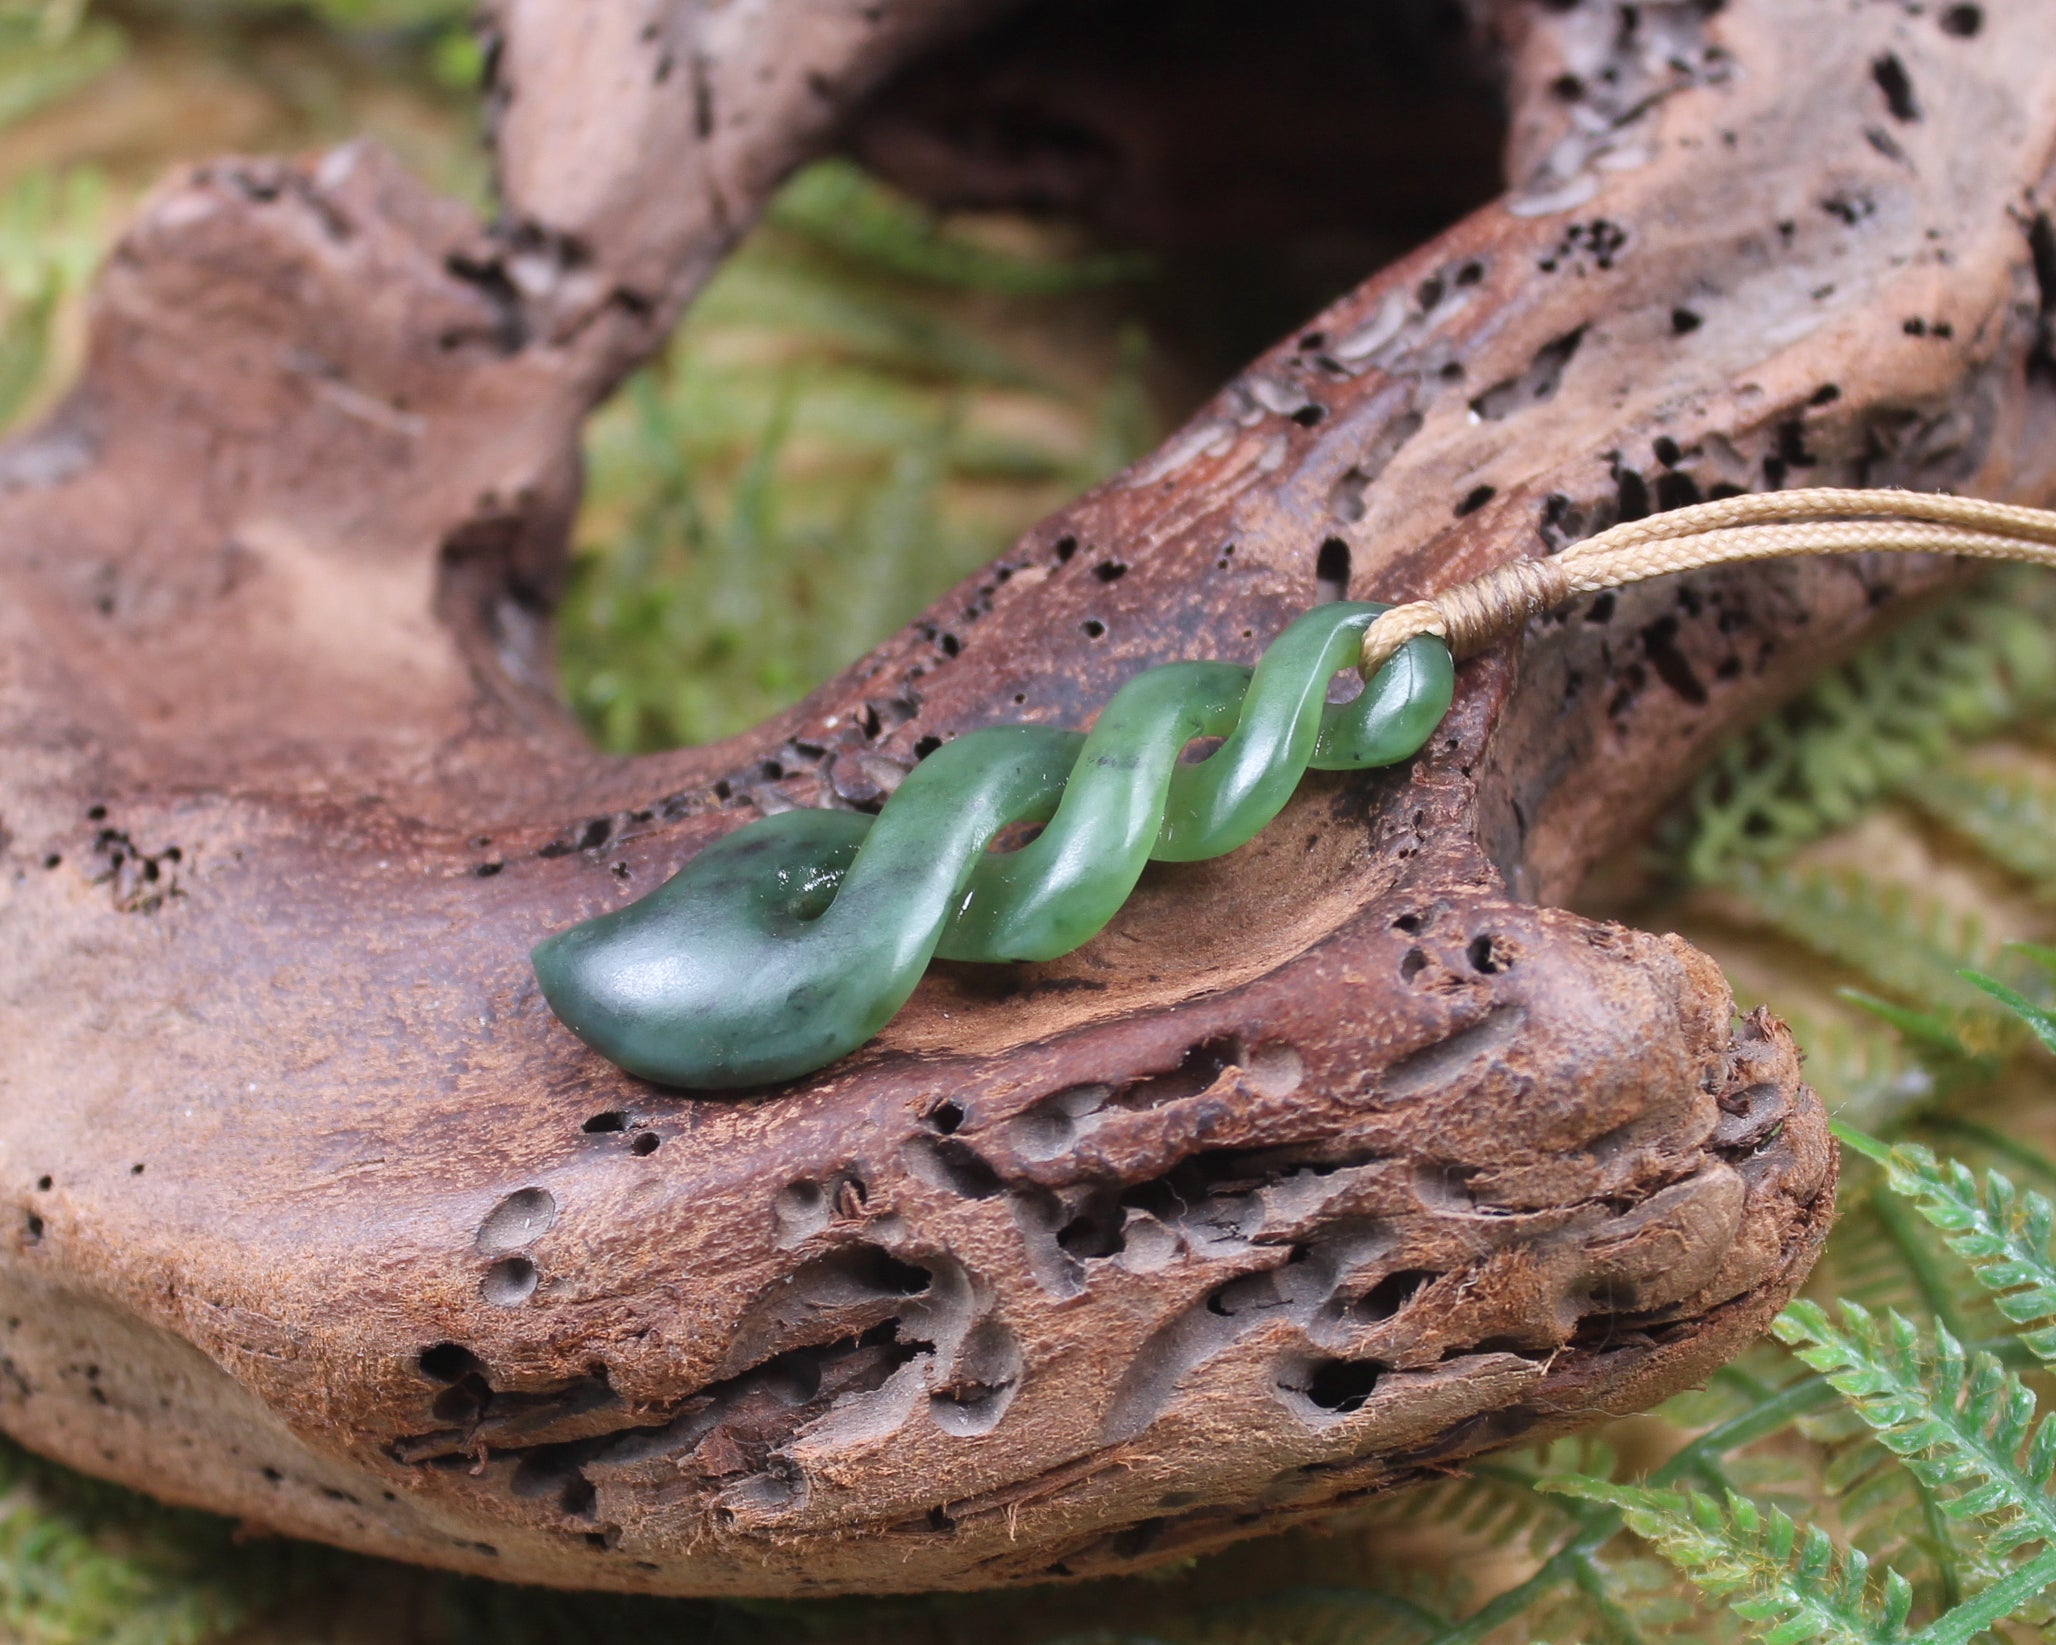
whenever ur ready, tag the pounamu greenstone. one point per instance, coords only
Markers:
(795, 939)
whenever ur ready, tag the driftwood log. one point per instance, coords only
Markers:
(1333, 1162)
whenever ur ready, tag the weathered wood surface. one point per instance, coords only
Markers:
(1331, 1163)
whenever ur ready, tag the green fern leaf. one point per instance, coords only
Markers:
(50, 228)
(1908, 945)
(1795, 1584)
(1875, 725)
(1961, 1422)
(347, 17)
(25, 352)
(47, 52)
(810, 304)
(1870, 1266)
(2008, 814)
(1934, 1035)
(836, 204)
(2039, 1020)
(2001, 1233)
(1495, 1504)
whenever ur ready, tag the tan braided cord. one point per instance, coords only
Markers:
(1773, 525)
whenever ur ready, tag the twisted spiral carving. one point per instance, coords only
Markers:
(795, 939)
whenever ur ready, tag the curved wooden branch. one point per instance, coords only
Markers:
(636, 141)
(1332, 1162)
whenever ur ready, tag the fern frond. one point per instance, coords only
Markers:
(1326, 1615)
(1884, 1508)
(2001, 1233)
(2040, 1021)
(1494, 1505)
(1890, 713)
(835, 203)
(1962, 1423)
(1795, 1583)
(374, 17)
(1484, 1506)
(1908, 945)
(849, 418)
(1737, 1388)
(1936, 1038)
(2000, 1145)
(50, 228)
(2009, 814)
(25, 339)
(809, 305)
(49, 51)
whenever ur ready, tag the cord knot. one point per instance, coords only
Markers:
(1472, 615)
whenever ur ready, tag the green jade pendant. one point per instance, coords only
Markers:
(792, 941)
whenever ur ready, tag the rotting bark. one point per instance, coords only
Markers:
(1331, 1163)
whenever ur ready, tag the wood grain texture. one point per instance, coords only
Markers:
(1329, 1164)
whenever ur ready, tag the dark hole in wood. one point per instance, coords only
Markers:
(1331, 570)
(1343, 1385)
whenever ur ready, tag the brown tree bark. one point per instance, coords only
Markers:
(1331, 1163)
